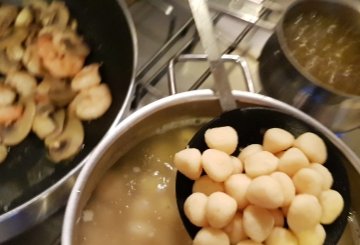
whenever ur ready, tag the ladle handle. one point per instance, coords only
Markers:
(205, 29)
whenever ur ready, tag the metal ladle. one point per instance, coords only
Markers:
(250, 124)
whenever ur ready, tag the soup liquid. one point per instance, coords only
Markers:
(135, 202)
(328, 47)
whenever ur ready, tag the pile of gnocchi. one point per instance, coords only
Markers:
(275, 193)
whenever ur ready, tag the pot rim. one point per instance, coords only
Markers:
(279, 31)
(70, 218)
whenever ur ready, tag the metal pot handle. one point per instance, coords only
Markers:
(237, 59)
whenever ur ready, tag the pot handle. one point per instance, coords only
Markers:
(237, 59)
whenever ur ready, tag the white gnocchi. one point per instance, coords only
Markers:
(211, 236)
(188, 162)
(217, 164)
(222, 138)
(277, 139)
(194, 208)
(248, 199)
(220, 209)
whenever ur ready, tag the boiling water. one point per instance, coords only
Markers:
(328, 47)
(135, 201)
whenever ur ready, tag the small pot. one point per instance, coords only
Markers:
(285, 79)
(184, 107)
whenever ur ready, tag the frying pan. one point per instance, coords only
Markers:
(31, 186)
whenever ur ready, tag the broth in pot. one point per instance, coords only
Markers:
(135, 201)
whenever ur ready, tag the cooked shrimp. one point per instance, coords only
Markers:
(91, 103)
(89, 76)
(58, 62)
(10, 113)
(7, 95)
(22, 82)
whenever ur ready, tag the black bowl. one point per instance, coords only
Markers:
(251, 124)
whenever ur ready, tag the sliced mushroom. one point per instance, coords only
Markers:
(23, 82)
(38, 8)
(8, 14)
(16, 37)
(15, 52)
(56, 14)
(69, 142)
(7, 65)
(16, 132)
(24, 18)
(7, 95)
(60, 92)
(32, 61)
(43, 125)
(59, 119)
(3, 153)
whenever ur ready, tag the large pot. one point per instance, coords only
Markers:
(284, 78)
(32, 187)
(200, 104)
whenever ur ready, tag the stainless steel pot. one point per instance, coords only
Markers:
(201, 104)
(284, 78)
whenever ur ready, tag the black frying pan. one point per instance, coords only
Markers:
(27, 171)
(250, 124)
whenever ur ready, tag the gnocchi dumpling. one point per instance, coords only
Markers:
(332, 204)
(277, 139)
(217, 164)
(236, 186)
(194, 208)
(260, 163)
(312, 146)
(249, 150)
(325, 173)
(211, 236)
(287, 186)
(292, 160)
(220, 209)
(304, 212)
(222, 138)
(258, 223)
(235, 229)
(265, 191)
(314, 236)
(309, 181)
(281, 236)
(188, 162)
(207, 186)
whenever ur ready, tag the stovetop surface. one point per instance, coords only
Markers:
(165, 29)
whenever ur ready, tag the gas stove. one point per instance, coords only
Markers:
(169, 62)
